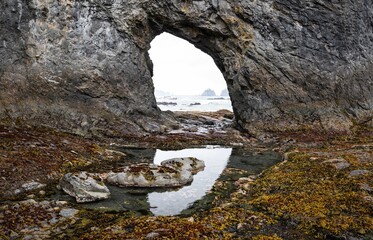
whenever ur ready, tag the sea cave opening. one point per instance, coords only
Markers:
(185, 78)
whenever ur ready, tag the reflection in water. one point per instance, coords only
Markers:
(173, 202)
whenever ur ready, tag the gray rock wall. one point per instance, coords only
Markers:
(83, 66)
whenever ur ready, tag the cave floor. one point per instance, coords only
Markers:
(322, 189)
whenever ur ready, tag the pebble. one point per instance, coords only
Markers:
(366, 187)
(13, 234)
(53, 220)
(152, 235)
(239, 226)
(31, 196)
(28, 202)
(61, 203)
(42, 192)
(338, 163)
(356, 173)
(32, 186)
(68, 212)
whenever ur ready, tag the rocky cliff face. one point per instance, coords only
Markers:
(83, 65)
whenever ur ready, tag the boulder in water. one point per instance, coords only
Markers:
(150, 175)
(191, 164)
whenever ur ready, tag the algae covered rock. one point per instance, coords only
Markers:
(84, 187)
(150, 175)
(191, 164)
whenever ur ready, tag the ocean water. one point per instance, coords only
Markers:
(194, 103)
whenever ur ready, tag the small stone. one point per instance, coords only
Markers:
(30, 186)
(31, 196)
(44, 204)
(152, 235)
(368, 199)
(366, 187)
(17, 191)
(191, 219)
(61, 203)
(68, 212)
(239, 226)
(13, 234)
(338, 163)
(28, 202)
(356, 173)
(53, 221)
(42, 192)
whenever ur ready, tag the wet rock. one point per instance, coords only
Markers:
(338, 163)
(83, 187)
(150, 175)
(357, 173)
(191, 164)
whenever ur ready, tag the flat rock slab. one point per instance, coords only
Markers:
(150, 175)
(84, 187)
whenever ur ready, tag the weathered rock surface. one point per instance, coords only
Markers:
(150, 175)
(83, 187)
(190, 164)
(83, 66)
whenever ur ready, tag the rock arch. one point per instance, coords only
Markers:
(83, 65)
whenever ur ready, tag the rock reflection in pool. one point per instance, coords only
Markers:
(173, 202)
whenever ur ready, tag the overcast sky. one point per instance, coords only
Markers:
(182, 69)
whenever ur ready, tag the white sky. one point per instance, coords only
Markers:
(182, 69)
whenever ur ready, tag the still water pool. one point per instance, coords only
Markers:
(173, 201)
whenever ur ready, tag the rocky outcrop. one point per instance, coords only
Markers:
(83, 187)
(83, 66)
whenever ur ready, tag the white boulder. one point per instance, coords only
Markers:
(84, 187)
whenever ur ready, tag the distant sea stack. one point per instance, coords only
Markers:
(209, 93)
(224, 93)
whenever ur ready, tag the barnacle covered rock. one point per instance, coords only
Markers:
(150, 175)
(191, 164)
